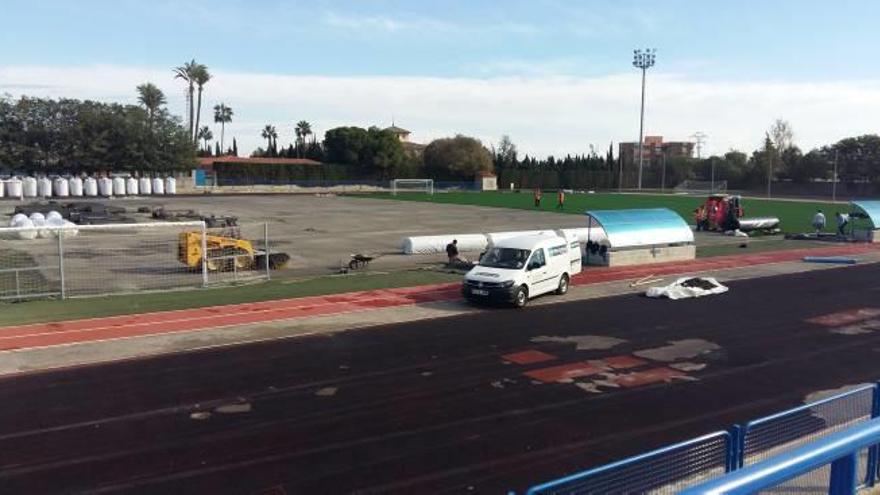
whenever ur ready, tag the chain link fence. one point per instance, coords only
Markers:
(91, 260)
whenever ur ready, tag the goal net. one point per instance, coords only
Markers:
(702, 187)
(43, 258)
(412, 185)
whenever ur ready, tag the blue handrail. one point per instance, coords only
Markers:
(838, 449)
(535, 490)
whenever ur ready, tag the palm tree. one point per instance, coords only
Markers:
(222, 116)
(187, 73)
(151, 98)
(303, 130)
(205, 135)
(201, 76)
(271, 136)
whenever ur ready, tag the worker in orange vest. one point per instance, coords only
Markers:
(560, 199)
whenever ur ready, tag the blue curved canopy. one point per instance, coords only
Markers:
(871, 209)
(642, 227)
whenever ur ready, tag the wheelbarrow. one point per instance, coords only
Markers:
(360, 261)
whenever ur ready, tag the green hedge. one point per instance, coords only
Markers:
(232, 173)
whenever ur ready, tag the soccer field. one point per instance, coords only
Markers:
(794, 215)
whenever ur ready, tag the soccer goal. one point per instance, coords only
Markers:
(412, 185)
(701, 187)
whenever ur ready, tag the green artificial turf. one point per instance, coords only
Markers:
(795, 216)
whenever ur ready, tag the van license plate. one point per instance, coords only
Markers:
(479, 292)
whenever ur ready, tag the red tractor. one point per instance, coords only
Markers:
(720, 212)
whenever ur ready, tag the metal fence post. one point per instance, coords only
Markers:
(266, 247)
(204, 255)
(874, 452)
(843, 475)
(741, 445)
(733, 449)
(61, 263)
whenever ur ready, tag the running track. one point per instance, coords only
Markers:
(167, 322)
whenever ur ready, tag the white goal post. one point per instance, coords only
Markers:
(412, 185)
(701, 187)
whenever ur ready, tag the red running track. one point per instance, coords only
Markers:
(187, 320)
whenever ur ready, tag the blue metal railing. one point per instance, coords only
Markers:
(839, 450)
(677, 467)
(768, 436)
(660, 471)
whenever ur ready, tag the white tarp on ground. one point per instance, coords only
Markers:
(686, 287)
(433, 244)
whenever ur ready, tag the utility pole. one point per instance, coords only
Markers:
(834, 180)
(663, 176)
(643, 60)
(699, 137)
(712, 160)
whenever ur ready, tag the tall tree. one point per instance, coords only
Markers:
(152, 98)
(783, 138)
(303, 131)
(205, 135)
(270, 135)
(460, 157)
(506, 155)
(201, 76)
(222, 116)
(187, 73)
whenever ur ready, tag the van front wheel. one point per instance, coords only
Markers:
(521, 297)
(563, 284)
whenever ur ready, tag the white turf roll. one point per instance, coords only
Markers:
(432, 244)
(596, 234)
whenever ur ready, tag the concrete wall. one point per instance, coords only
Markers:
(658, 254)
(867, 235)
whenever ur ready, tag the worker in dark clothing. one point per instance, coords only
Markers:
(452, 252)
(842, 221)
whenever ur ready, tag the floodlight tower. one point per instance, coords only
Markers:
(643, 60)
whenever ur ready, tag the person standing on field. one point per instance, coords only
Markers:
(842, 221)
(560, 199)
(819, 221)
(537, 197)
(452, 252)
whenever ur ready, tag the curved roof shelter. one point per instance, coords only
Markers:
(641, 227)
(871, 209)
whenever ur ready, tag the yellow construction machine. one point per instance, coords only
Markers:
(225, 253)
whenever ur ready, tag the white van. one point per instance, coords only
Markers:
(517, 269)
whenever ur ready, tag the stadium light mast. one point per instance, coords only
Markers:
(643, 60)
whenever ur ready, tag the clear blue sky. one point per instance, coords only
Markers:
(553, 74)
(779, 39)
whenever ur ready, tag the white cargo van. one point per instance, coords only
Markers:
(517, 269)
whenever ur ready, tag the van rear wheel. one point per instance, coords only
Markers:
(521, 297)
(563, 284)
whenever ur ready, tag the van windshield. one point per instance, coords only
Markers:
(509, 258)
